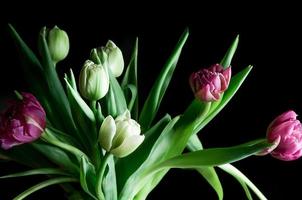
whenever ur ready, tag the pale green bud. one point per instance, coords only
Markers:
(113, 57)
(58, 44)
(94, 81)
(120, 136)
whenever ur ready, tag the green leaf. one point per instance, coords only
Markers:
(20, 154)
(44, 184)
(208, 173)
(212, 178)
(73, 82)
(49, 137)
(227, 59)
(194, 143)
(197, 159)
(133, 97)
(87, 177)
(109, 182)
(81, 103)
(161, 84)
(67, 138)
(57, 156)
(130, 78)
(32, 70)
(243, 180)
(25, 50)
(40, 171)
(211, 157)
(115, 99)
(204, 158)
(82, 115)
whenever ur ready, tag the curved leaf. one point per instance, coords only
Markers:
(161, 84)
(130, 77)
(208, 173)
(242, 179)
(40, 171)
(227, 59)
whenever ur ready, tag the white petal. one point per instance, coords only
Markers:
(107, 132)
(128, 146)
(126, 115)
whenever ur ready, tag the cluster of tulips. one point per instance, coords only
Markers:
(108, 112)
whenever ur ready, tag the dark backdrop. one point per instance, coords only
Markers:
(270, 39)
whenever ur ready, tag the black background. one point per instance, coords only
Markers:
(270, 39)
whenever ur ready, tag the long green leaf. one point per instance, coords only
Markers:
(109, 182)
(81, 103)
(82, 115)
(20, 154)
(33, 71)
(87, 177)
(242, 178)
(49, 137)
(40, 171)
(161, 84)
(57, 156)
(206, 158)
(208, 173)
(133, 98)
(211, 157)
(115, 99)
(130, 78)
(227, 59)
(44, 184)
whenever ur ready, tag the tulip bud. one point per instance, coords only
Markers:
(23, 122)
(286, 130)
(209, 84)
(94, 81)
(58, 44)
(120, 136)
(113, 57)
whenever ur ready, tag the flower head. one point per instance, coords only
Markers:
(288, 131)
(112, 56)
(23, 122)
(120, 136)
(209, 84)
(58, 44)
(94, 81)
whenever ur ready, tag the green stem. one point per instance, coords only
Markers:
(93, 106)
(240, 176)
(100, 176)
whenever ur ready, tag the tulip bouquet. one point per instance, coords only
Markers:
(93, 139)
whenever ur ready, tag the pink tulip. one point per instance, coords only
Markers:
(23, 122)
(209, 84)
(286, 131)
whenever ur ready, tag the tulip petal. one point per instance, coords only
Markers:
(107, 132)
(129, 145)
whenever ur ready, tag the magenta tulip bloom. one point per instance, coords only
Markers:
(23, 122)
(209, 84)
(287, 131)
